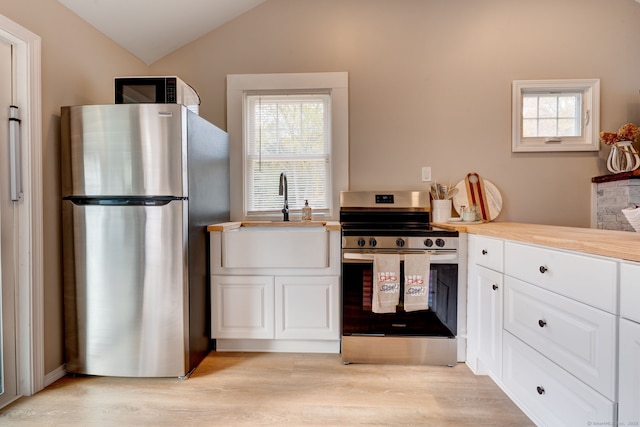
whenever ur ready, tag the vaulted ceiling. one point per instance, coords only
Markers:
(151, 29)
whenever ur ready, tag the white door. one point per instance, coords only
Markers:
(489, 291)
(8, 386)
(306, 307)
(242, 307)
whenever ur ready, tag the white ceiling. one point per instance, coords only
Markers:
(151, 29)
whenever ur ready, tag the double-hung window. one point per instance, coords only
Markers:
(287, 133)
(292, 124)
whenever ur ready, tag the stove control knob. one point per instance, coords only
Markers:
(439, 243)
(428, 243)
(400, 242)
(361, 242)
(373, 242)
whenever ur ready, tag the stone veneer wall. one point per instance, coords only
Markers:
(614, 193)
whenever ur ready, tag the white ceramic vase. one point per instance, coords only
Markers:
(623, 157)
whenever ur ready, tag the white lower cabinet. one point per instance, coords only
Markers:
(547, 393)
(548, 331)
(629, 397)
(307, 307)
(489, 342)
(579, 338)
(275, 289)
(275, 307)
(484, 312)
(242, 307)
(629, 362)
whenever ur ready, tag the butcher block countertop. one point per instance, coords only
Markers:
(615, 244)
(227, 226)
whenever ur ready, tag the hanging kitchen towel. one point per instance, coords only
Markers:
(386, 283)
(416, 282)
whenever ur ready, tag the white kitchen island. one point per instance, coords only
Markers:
(275, 286)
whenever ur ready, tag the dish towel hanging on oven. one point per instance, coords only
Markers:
(386, 283)
(416, 282)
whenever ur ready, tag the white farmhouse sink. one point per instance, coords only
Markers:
(276, 245)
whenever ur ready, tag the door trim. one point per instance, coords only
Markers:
(30, 290)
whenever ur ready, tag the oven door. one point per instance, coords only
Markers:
(357, 287)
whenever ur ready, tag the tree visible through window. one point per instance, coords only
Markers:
(549, 115)
(555, 115)
(287, 133)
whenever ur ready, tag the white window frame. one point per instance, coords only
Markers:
(240, 84)
(590, 112)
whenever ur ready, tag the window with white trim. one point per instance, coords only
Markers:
(295, 124)
(556, 115)
(287, 133)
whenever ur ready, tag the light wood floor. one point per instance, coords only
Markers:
(279, 389)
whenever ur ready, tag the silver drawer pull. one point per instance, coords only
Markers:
(542, 323)
(540, 390)
(543, 269)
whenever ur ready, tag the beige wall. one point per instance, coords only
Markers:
(78, 66)
(429, 86)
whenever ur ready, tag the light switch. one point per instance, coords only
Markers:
(426, 173)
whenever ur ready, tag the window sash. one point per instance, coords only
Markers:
(552, 115)
(287, 132)
(583, 123)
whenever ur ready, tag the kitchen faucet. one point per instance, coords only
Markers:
(284, 189)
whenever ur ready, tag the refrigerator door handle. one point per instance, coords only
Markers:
(123, 201)
(14, 154)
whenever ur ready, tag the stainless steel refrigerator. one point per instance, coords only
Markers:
(140, 183)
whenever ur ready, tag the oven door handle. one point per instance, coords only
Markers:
(434, 256)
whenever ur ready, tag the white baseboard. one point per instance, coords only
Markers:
(279, 346)
(55, 375)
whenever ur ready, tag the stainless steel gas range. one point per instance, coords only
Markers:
(396, 225)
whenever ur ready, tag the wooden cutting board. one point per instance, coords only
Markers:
(481, 192)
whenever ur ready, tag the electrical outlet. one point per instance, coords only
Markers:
(426, 173)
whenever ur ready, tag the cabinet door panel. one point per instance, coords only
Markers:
(242, 307)
(489, 284)
(307, 307)
(549, 394)
(576, 336)
(629, 399)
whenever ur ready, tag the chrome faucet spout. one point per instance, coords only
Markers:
(284, 190)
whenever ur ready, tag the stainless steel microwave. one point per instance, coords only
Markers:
(156, 90)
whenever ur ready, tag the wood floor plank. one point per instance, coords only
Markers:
(241, 389)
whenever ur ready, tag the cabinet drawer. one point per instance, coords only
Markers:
(552, 396)
(487, 252)
(588, 279)
(630, 291)
(576, 336)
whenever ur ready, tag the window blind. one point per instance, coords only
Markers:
(290, 133)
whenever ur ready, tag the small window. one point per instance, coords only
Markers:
(556, 115)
